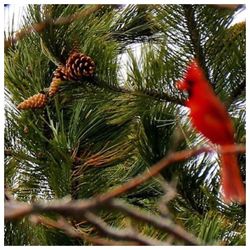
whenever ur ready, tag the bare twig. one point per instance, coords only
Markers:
(40, 27)
(79, 209)
(7, 152)
(169, 194)
(159, 166)
(162, 223)
(228, 6)
(121, 234)
(71, 231)
(16, 210)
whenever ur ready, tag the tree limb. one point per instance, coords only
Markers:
(68, 229)
(121, 234)
(159, 222)
(40, 27)
(17, 210)
(79, 209)
(159, 166)
(195, 36)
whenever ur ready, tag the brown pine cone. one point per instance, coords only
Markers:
(54, 86)
(60, 73)
(79, 65)
(34, 102)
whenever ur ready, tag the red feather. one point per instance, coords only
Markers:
(210, 117)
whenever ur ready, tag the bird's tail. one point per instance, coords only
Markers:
(232, 184)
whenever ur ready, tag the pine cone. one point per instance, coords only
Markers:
(60, 73)
(79, 65)
(36, 101)
(54, 86)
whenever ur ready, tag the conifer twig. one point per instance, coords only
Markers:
(158, 221)
(79, 209)
(121, 234)
(195, 36)
(17, 210)
(40, 27)
(71, 231)
(159, 166)
(228, 6)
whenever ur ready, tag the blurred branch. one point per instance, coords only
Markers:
(71, 231)
(159, 166)
(16, 210)
(79, 209)
(7, 152)
(228, 6)
(40, 27)
(159, 222)
(122, 234)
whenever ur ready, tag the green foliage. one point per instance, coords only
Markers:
(102, 131)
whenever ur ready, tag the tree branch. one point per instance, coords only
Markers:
(122, 234)
(159, 222)
(79, 209)
(159, 166)
(40, 27)
(17, 210)
(71, 231)
(151, 93)
(195, 36)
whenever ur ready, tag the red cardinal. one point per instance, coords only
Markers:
(209, 117)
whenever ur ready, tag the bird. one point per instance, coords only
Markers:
(209, 117)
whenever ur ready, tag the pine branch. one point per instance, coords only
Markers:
(71, 231)
(81, 209)
(195, 36)
(151, 93)
(157, 221)
(240, 88)
(40, 27)
(228, 6)
(122, 234)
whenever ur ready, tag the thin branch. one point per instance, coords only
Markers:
(71, 231)
(195, 36)
(14, 210)
(74, 210)
(17, 210)
(8, 152)
(228, 6)
(159, 166)
(121, 234)
(152, 93)
(40, 27)
(159, 222)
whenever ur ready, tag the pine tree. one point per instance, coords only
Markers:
(102, 129)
